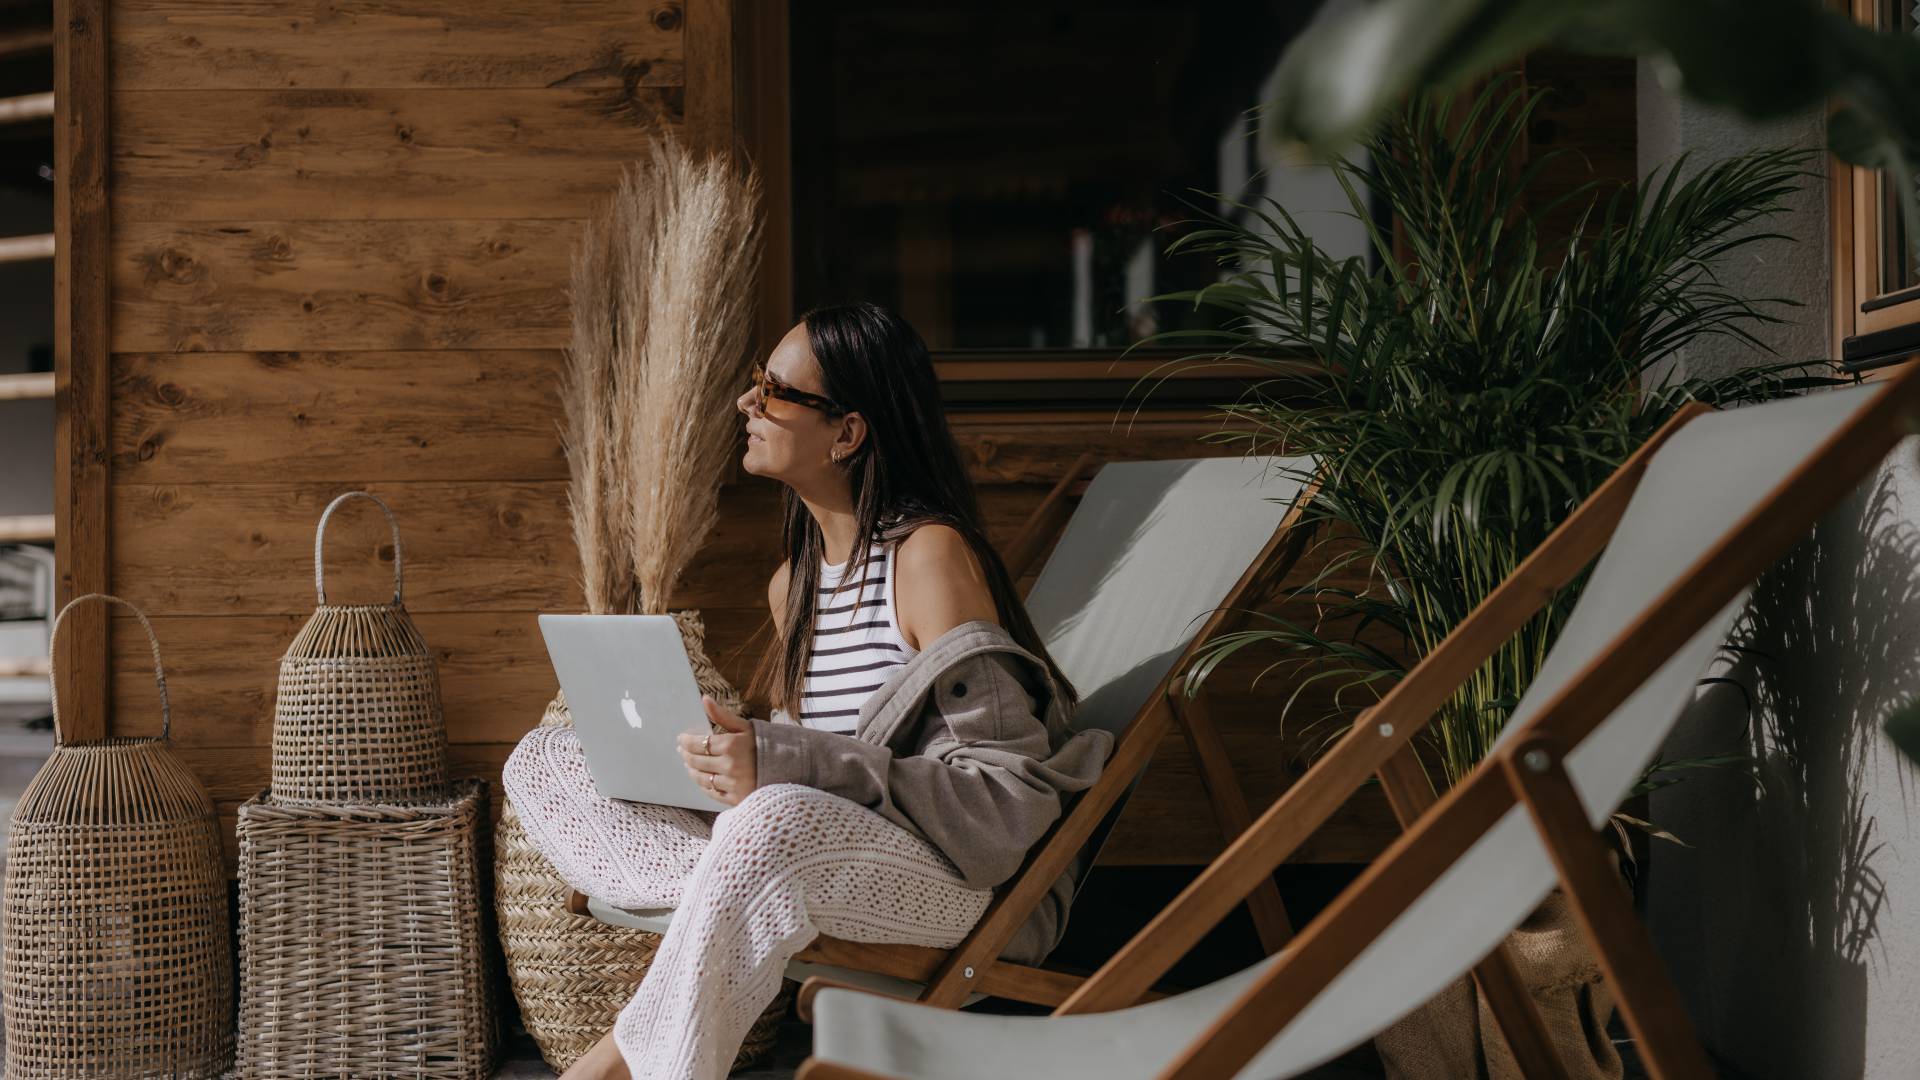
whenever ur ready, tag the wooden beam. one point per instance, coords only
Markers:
(81, 360)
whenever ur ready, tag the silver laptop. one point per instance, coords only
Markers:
(630, 688)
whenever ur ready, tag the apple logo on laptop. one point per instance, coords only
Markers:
(627, 708)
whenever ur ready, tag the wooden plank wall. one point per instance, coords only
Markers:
(338, 259)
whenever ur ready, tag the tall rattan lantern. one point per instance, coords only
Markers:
(118, 959)
(357, 717)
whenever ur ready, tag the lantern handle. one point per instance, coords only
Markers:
(320, 540)
(53, 678)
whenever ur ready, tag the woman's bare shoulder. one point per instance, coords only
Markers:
(941, 584)
(777, 588)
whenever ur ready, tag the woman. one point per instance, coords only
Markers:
(919, 744)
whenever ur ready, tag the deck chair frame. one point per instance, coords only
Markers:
(1527, 770)
(949, 976)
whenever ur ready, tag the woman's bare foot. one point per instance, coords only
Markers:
(602, 1062)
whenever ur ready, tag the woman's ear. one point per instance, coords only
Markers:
(853, 434)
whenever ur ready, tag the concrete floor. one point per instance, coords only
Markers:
(522, 1061)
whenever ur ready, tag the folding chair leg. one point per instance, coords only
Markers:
(1652, 1007)
(1229, 808)
(1410, 792)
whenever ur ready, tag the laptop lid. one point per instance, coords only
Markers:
(631, 690)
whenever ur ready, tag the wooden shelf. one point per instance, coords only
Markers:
(26, 248)
(32, 385)
(29, 529)
(15, 110)
(15, 667)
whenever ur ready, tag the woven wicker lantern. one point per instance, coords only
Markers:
(357, 716)
(118, 959)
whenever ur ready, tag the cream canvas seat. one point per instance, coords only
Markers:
(1686, 525)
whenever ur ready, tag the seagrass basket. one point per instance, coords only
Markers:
(118, 960)
(571, 974)
(357, 718)
(363, 944)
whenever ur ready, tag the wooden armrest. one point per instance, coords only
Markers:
(803, 1001)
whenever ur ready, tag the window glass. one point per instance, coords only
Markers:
(1009, 178)
(1899, 261)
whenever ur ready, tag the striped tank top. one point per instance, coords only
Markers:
(857, 642)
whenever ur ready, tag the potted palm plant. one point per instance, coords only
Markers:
(1462, 392)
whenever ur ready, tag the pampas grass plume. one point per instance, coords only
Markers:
(663, 300)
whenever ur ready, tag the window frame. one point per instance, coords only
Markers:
(1009, 380)
(1873, 328)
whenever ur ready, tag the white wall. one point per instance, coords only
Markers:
(1792, 924)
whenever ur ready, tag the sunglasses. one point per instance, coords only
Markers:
(769, 389)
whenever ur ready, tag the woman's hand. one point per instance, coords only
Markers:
(722, 763)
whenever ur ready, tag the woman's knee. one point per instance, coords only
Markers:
(528, 768)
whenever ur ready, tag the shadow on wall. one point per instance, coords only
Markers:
(1769, 921)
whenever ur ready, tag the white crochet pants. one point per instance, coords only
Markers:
(751, 887)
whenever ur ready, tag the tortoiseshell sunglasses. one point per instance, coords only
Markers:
(770, 388)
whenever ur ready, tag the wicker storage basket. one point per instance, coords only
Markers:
(363, 947)
(118, 960)
(357, 715)
(571, 974)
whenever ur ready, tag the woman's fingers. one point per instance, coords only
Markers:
(725, 747)
(718, 714)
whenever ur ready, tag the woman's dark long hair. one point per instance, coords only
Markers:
(905, 474)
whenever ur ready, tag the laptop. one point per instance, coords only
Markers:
(630, 688)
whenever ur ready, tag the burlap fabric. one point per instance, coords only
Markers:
(1455, 1036)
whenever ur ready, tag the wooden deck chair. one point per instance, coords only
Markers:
(1686, 524)
(1155, 558)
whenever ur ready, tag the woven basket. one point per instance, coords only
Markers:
(357, 715)
(363, 949)
(118, 960)
(571, 974)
